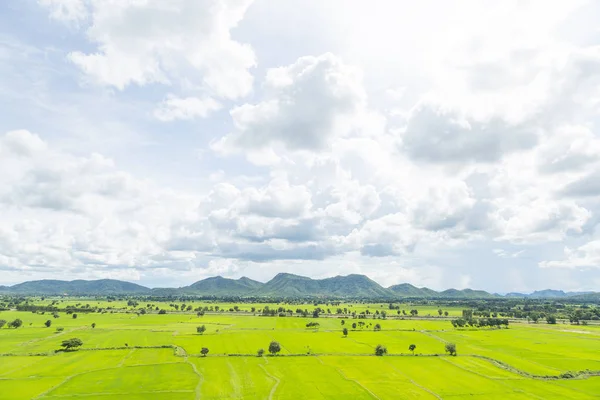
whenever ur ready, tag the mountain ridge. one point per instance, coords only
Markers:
(281, 285)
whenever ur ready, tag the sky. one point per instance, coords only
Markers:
(443, 144)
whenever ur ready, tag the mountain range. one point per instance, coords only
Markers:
(282, 285)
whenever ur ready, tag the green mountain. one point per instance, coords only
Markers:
(219, 286)
(465, 294)
(101, 286)
(290, 285)
(408, 290)
(282, 285)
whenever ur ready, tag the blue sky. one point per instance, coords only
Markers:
(444, 145)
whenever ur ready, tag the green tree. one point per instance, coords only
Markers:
(451, 348)
(204, 351)
(48, 323)
(343, 322)
(93, 325)
(2, 322)
(15, 324)
(260, 352)
(274, 347)
(412, 348)
(354, 325)
(445, 313)
(345, 331)
(201, 329)
(551, 319)
(380, 350)
(377, 327)
(162, 312)
(74, 316)
(440, 312)
(71, 344)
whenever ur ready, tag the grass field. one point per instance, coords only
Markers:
(129, 356)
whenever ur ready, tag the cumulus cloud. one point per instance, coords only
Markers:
(586, 186)
(305, 105)
(59, 211)
(183, 42)
(585, 256)
(439, 134)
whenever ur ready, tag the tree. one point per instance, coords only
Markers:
(380, 350)
(200, 313)
(71, 344)
(93, 325)
(162, 312)
(345, 331)
(274, 347)
(440, 312)
(377, 327)
(74, 316)
(412, 348)
(354, 325)
(2, 322)
(445, 313)
(551, 319)
(260, 352)
(451, 348)
(204, 351)
(48, 323)
(343, 322)
(201, 329)
(15, 324)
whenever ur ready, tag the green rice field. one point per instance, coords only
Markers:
(132, 356)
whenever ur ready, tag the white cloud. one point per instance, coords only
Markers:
(183, 42)
(305, 105)
(60, 212)
(585, 256)
(66, 10)
(438, 134)
(173, 108)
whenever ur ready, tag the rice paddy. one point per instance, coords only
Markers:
(131, 356)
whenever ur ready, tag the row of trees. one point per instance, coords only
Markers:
(480, 322)
(16, 323)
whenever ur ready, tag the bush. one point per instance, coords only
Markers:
(380, 350)
(274, 347)
(451, 348)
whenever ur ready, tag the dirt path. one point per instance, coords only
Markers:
(276, 379)
(197, 390)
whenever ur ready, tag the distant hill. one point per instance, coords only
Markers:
(219, 286)
(465, 294)
(408, 290)
(102, 286)
(549, 294)
(282, 285)
(290, 285)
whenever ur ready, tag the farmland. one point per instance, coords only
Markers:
(130, 355)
